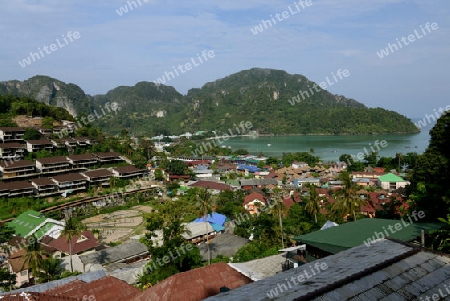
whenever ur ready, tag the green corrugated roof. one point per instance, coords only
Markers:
(28, 221)
(352, 234)
(390, 177)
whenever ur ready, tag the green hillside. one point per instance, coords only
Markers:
(265, 97)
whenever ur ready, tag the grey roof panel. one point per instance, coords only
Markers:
(39, 288)
(385, 271)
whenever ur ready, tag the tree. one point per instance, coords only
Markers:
(429, 190)
(167, 220)
(72, 228)
(313, 202)
(34, 258)
(177, 167)
(279, 209)
(47, 122)
(254, 250)
(204, 199)
(352, 165)
(298, 221)
(6, 233)
(148, 148)
(7, 279)
(371, 159)
(347, 200)
(159, 175)
(31, 134)
(51, 269)
(139, 160)
(240, 152)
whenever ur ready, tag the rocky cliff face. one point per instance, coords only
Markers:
(51, 92)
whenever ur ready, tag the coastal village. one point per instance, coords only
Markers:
(108, 257)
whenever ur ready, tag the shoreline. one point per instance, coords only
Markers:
(328, 135)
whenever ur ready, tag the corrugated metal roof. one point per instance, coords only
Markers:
(352, 234)
(86, 277)
(385, 271)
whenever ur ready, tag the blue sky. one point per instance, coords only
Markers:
(326, 36)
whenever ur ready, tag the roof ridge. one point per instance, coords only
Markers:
(335, 285)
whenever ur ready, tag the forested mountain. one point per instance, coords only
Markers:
(146, 108)
(265, 97)
(51, 92)
(270, 99)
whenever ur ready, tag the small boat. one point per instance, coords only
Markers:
(268, 144)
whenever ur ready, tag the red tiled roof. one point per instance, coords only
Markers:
(98, 173)
(196, 284)
(15, 185)
(104, 289)
(82, 157)
(70, 177)
(89, 243)
(198, 162)
(12, 129)
(211, 185)
(366, 173)
(16, 261)
(43, 181)
(52, 160)
(107, 155)
(128, 169)
(254, 195)
(15, 164)
(7, 145)
(288, 202)
(65, 288)
(271, 175)
(39, 142)
(32, 296)
(46, 239)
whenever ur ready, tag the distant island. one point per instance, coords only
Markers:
(260, 96)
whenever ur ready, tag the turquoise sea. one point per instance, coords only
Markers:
(329, 148)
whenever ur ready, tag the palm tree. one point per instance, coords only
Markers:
(34, 258)
(204, 199)
(72, 228)
(279, 209)
(313, 202)
(51, 270)
(347, 200)
(441, 237)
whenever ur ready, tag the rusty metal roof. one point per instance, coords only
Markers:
(196, 284)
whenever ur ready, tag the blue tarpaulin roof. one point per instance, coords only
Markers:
(249, 167)
(217, 227)
(215, 218)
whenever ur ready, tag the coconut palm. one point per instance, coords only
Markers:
(51, 269)
(313, 201)
(72, 228)
(441, 237)
(347, 199)
(279, 209)
(204, 199)
(34, 258)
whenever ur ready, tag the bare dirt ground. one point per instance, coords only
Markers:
(26, 121)
(120, 225)
(30, 122)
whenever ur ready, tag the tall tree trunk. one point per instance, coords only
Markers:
(207, 242)
(281, 227)
(70, 255)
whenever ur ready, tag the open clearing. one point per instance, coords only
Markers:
(119, 225)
